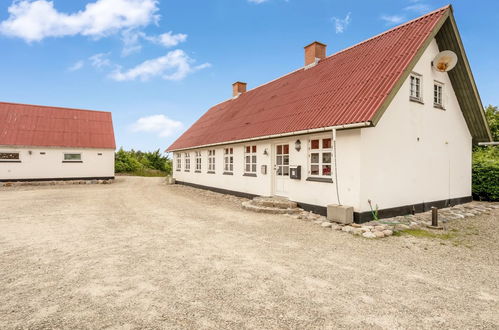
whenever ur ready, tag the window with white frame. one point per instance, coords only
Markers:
(187, 162)
(179, 161)
(250, 159)
(229, 160)
(211, 160)
(9, 157)
(320, 157)
(198, 161)
(72, 157)
(438, 89)
(416, 83)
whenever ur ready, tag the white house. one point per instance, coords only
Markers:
(46, 143)
(378, 121)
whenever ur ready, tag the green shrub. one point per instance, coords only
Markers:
(486, 174)
(142, 163)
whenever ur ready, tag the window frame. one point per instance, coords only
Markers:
(419, 87)
(197, 162)
(211, 160)
(321, 150)
(179, 162)
(229, 160)
(438, 84)
(187, 167)
(65, 160)
(15, 160)
(250, 152)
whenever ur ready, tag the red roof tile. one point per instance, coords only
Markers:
(344, 88)
(34, 125)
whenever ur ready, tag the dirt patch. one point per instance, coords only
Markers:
(141, 254)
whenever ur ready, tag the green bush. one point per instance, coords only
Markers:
(142, 163)
(486, 174)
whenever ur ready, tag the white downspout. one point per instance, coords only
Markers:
(336, 167)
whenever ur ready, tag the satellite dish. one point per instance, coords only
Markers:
(445, 61)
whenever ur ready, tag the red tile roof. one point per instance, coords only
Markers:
(344, 88)
(34, 125)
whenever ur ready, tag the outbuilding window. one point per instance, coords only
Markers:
(416, 94)
(187, 162)
(72, 158)
(228, 160)
(250, 159)
(179, 161)
(437, 95)
(198, 161)
(211, 160)
(9, 157)
(320, 157)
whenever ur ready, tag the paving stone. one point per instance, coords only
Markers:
(388, 232)
(326, 224)
(379, 234)
(369, 235)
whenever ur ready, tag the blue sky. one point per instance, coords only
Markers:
(159, 65)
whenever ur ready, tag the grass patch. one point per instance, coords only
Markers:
(426, 234)
(146, 172)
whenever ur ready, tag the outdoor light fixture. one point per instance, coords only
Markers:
(298, 145)
(265, 152)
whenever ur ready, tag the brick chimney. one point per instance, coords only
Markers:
(314, 51)
(238, 88)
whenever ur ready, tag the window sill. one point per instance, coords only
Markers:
(438, 106)
(326, 180)
(72, 161)
(197, 171)
(250, 174)
(186, 170)
(10, 161)
(228, 173)
(211, 172)
(413, 99)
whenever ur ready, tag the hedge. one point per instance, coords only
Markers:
(485, 184)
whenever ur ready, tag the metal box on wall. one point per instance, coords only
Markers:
(295, 172)
(264, 169)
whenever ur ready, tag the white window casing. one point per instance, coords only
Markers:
(320, 157)
(438, 95)
(187, 162)
(72, 157)
(10, 157)
(179, 161)
(416, 87)
(198, 161)
(211, 160)
(228, 160)
(250, 159)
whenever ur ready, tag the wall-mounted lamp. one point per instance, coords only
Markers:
(265, 152)
(298, 145)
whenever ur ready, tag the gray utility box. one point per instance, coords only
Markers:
(340, 213)
(295, 172)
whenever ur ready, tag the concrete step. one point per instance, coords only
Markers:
(256, 207)
(274, 202)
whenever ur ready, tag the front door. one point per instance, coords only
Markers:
(281, 168)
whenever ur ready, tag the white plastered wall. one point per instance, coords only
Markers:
(35, 165)
(417, 153)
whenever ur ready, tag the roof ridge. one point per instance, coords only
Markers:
(345, 49)
(53, 107)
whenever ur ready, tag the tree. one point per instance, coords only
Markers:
(492, 115)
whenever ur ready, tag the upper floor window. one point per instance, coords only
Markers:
(76, 157)
(211, 160)
(229, 160)
(438, 94)
(198, 161)
(416, 84)
(179, 161)
(320, 157)
(187, 162)
(250, 159)
(9, 157)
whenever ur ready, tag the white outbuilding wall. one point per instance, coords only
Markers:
(47, 163)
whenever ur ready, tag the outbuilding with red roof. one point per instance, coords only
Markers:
(51, 143)
(391, 120)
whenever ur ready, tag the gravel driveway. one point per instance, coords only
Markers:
(141, 254)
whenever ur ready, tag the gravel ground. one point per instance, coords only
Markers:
(141, 254)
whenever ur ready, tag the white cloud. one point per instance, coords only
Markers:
(168, 39)
(341, 24)
(393, 19)
(100, 60)
(77, 66)
(420, 8)
(257, 1)
(159, 124)
(36, 20)
(175, 65)
(131, 40)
